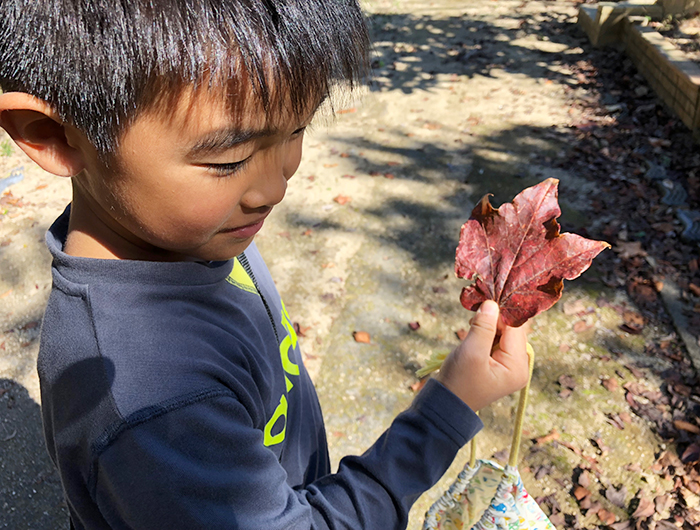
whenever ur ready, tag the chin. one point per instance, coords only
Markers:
(222, 253)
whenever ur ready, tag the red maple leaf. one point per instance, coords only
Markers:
(516, 256)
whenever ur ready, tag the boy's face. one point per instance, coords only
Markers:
(192, 183)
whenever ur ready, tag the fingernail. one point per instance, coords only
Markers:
(489, 307)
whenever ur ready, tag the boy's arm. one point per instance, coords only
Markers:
(205, 466)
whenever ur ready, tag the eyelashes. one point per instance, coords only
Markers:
(227, 170)
(231, 168)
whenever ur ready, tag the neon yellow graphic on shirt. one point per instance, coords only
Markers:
(280, 412)
(288, 344)
(240, 278)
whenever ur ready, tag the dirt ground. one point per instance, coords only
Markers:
(466, 99)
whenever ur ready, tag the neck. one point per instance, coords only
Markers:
(93, 233)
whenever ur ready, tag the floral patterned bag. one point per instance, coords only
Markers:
(487, 496)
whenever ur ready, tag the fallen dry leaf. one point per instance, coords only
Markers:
(606, 517)
(415, 326)
(553, 435)
(342, 199)
(691, 454)
(574, 307)
(682, 425)
(629, 249)
(617, 496)
(588, 505)
(622, 525)
(361, 336)
(516, 255)
(582, 326)
(567, 381)
(645, 509)
(633, 322)
(636, 467)
(610, 383)
(301, 330)
(663, 503)
(581, 493)
(584, 479)
(615, 421)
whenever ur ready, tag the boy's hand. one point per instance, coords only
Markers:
(490, 363)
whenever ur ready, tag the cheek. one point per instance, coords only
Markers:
(185, 214)
(209, 209)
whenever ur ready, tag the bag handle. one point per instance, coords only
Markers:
(522, 405)
(517, 430)
(436, 361)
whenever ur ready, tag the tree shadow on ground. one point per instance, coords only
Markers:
(466, 46)
(609, 157)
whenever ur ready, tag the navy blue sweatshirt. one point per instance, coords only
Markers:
(174, 396)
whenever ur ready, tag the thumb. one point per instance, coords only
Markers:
(483, 329)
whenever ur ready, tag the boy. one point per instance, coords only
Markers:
(173, 392)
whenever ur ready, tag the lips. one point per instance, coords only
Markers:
(246, 231)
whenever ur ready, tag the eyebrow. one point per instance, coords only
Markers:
(226, 138)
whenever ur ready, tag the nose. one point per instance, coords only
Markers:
(269, 185)
(267, 190)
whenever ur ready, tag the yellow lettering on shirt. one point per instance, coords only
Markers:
(280, 412)
(288, 344)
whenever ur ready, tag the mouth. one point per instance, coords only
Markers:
(246, 231)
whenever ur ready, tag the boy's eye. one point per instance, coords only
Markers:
(299, 131)
(226, 170)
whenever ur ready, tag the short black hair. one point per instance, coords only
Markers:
(100, 63)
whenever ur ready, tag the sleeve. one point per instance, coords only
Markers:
(205, 467)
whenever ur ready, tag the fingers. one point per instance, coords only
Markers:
(512, 355)
(483, 329)
(513, 340)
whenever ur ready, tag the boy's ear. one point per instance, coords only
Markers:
(39, 132)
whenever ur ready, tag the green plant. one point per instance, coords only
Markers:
(6, 148)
